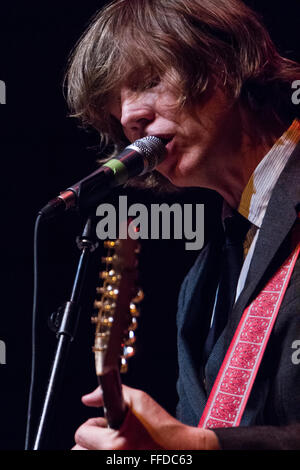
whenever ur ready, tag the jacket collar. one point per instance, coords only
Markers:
(279, 219)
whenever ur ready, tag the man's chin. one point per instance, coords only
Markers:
(154, 181)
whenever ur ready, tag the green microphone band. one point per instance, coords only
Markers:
(119, 169)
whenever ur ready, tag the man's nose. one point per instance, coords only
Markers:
(136, 115)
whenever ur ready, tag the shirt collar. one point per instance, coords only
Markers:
(257, 193)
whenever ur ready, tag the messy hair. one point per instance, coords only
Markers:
(191, 43)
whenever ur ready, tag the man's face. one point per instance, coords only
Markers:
(192, 158)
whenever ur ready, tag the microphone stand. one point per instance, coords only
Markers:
(69, 315)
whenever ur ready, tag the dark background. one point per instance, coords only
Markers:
(42, 152)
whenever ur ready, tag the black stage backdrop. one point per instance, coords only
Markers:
(42, 152)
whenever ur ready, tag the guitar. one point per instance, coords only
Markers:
(116, 322)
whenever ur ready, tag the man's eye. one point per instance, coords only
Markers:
(152, 83)
(146, 84)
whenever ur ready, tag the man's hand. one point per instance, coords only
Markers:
(146, 426)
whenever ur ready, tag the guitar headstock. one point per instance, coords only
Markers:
(117, 307)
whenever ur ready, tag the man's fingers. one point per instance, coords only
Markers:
(94, 435)
(94, 398)
(77, 447)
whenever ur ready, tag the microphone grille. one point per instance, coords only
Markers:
(152, 148)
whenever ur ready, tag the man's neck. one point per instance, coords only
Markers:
(252, 151)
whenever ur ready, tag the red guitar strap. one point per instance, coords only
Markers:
(232, 387)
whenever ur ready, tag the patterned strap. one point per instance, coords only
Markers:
(231, 390)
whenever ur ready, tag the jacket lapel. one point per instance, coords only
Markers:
(195, 300)
(279, 219)
(278, 222)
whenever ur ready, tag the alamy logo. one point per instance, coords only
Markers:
(2, 352)
(161, 222)
(296, 354)
(2, 92)
(296, 94)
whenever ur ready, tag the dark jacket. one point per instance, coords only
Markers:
(275, 398)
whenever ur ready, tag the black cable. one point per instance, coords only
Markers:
(33, 339)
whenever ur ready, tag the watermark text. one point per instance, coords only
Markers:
(296, 94)
(161, 222)
(2, 352)
(296, 353)
(2, 92)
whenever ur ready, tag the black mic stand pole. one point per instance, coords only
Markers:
(67, 327)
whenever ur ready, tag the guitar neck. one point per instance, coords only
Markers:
(115, 324)
(115, 408)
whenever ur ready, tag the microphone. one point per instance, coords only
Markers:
(136, 159)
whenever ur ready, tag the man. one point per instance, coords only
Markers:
(205, 75)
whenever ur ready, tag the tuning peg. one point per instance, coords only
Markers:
(107, 274)
(109, 259)
(111, 276)
(112, 293)
(110, 244)
(131, 338)
(109, 290)
(134, 310)
(104, 275)
(124, 366)
(98, 304)
(100, 290)
(133, 326)
(128, 351)
(107, 321)
(108, 307)
(139, 297)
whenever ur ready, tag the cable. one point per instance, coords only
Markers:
(33, 339)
